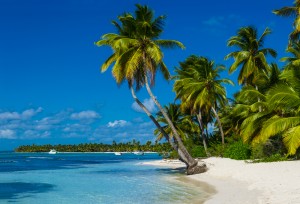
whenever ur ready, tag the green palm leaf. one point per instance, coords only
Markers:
(276, 125)
(291, 139)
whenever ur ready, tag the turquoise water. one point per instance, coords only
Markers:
(88, 178)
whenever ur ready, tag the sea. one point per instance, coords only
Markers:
(92, 178)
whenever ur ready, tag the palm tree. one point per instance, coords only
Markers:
(293, 11)
(280, 115)
(183, 123)
(247, 115)
(250, 54)
(294, 50)
(199, 87)
(137, 56)
(284, 98)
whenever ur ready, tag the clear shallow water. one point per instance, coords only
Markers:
(88, 178)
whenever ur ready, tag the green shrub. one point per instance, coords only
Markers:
(173, 155)
(258, 152)
(269, 149)
(238, 151)
(217, 150)
(273, 158)
(198, 151)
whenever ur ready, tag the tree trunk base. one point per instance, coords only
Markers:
(198, 169)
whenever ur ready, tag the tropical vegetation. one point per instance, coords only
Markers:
(261, 121)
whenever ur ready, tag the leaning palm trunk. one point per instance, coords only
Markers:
(199, 118)
(191, 163)
(174, 146)
(220, 125)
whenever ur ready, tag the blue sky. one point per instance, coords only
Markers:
(51, 88)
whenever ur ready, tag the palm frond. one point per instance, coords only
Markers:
(291, 139)
(286, 11)
(276, 125)
(169, 44)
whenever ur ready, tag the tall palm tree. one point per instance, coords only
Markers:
(293, 11)
(199, 87)
(250, 54)
(137, 56)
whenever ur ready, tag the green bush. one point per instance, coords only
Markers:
(269, 149)
(217, 150)
(198, 151)
(258, 152)
(173, 155)
(273, 158)
(238, 151)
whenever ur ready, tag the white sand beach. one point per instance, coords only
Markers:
(238, 182)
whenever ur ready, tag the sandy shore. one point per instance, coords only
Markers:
(238, 182)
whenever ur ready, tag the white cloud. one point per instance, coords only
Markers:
(121, 134)
(138, 120)
(7, 134)
(30, 113)
(32, 134)
(20, 116)
(148, 103)
(76, 128)
(149, 124)
(118, 123)
(85, 115)
(9, 116)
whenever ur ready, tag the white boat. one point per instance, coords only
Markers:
(138, 153)
(118, 153)
(52, 151)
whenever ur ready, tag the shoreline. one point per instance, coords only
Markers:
(238, 182)
(86, 152)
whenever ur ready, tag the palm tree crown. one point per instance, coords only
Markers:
(137, 49)
(250, 56)
(294, 11)
(198, 83)
(294, 50)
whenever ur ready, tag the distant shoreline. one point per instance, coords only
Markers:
(86, 152)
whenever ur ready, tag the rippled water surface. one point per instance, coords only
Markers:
(88, 178)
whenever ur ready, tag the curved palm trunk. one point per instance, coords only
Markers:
(220, 125)
(199, 118)
(192, 164)
(174, 146)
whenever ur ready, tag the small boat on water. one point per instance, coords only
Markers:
(52, 151)
(118, 153)
(138, 153)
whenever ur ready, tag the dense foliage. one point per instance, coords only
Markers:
(238, 151)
